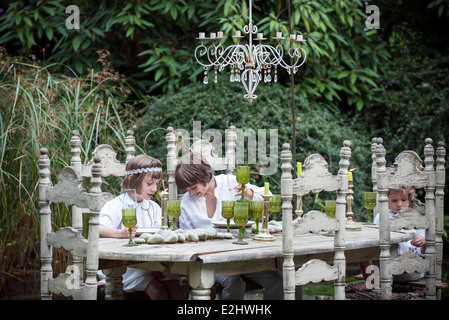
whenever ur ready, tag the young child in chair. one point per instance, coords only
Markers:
(143, 173)
(399, 199)
(201, 206)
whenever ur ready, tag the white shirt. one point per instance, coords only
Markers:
(148, 213)
(193, 208)
(406, 245)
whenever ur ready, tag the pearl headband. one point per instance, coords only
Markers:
(158, 169)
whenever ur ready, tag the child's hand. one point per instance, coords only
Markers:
(249, 193)
(418, 242)
(124, 233)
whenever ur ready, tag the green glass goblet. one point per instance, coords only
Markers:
(331, 208)
(275, 204)
(129, 221)
(241, 209)
(129, 218)
(257, 213)
(243, 177)
(227, 212)
(369, 202)
(174, 210)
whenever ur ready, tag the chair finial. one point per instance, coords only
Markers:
(441, 151)
(286, 146)
(130, 143)
(96, 175)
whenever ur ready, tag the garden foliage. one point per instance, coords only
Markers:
(154, 40)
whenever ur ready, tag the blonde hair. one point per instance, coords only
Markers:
(409, 192)
(142, 161)
(192, 169)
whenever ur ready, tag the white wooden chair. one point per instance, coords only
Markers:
(315, 177)
(408, 172)
(440, 175)
(207, 149)
(70, 191)
(440, 181)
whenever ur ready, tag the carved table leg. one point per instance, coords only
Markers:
(114, 285)
(201, 279)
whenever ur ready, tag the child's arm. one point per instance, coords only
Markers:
(106, 232)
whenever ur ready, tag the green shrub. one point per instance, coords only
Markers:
(152, 42)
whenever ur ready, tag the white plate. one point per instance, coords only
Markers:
(145, 230)
(232, 225)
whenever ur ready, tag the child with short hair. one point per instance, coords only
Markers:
(201, 206)
(143, 173)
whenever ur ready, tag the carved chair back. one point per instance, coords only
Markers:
(315, 177)
(206, 148)
(70, 191)
(408, 172)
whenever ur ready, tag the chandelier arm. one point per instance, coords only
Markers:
(298, 56)
(273, 56)
(235, 55)
(267, 55)
(228, 56)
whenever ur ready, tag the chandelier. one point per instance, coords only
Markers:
(249, 63)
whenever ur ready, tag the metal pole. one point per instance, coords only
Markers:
(293, 92)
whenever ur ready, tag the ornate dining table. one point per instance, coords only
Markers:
(202, 261)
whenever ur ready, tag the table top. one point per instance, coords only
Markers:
(223, 250)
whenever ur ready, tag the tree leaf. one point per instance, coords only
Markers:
(49, 10)
(158, 74)
(76, 42)
(343, 74)
(49, 33)
(353, 77)
(130, 31)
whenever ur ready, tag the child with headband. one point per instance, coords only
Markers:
(143, 173)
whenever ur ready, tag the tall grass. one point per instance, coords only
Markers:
(40, 109)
